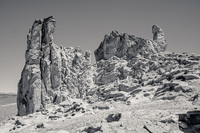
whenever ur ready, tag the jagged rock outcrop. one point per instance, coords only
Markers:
(127, 67)
(126, 64)
(51, 73)
(129, 46)
(168, 72)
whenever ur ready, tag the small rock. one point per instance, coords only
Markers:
(44, 112)
(101, 107)
(93, 130)
(135, 91)
(114, 117)
(65, 115)
(54, 117)
(146, 94)
(178, 88)
(41, 125)
(168, 121)
(83, 111)
(128, 103)
(17, 122)
(59, 110)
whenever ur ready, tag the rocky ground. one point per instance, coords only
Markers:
(141, 113)
(147, 116)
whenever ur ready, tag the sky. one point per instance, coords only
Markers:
(85, 22)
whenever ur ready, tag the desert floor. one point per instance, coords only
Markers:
(160, 116)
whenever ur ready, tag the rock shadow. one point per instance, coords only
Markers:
(189, 122)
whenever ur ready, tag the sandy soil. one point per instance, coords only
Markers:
(160, 116)
(7, 111)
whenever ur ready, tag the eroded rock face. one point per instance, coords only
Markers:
(30, 85)
(51, 73)
(128, 68)
(129, 46)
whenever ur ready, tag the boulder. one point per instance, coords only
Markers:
(114, 117)
(190, 122)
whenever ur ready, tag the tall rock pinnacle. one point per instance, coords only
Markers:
(29, 92)
(51, 73)
(158, 36)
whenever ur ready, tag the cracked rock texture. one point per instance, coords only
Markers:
(51, 73)
(129, 46)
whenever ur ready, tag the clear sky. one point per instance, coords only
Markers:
(85, 22)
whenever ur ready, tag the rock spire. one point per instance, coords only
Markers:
(51, 73)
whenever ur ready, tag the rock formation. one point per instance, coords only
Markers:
(51, 73)
(127, 68)
(158, 36)
(30, 85)
(129, 46)
(135, 86)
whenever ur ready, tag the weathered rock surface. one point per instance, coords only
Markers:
(165, 72)
(30, 86)
(190, 122)
(114, 117)
(158, 36)
(129, 46)
(51, 73)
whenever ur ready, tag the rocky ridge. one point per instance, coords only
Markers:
(128, 46)
(132, 75)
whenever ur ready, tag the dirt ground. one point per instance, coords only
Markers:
(160, 116)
